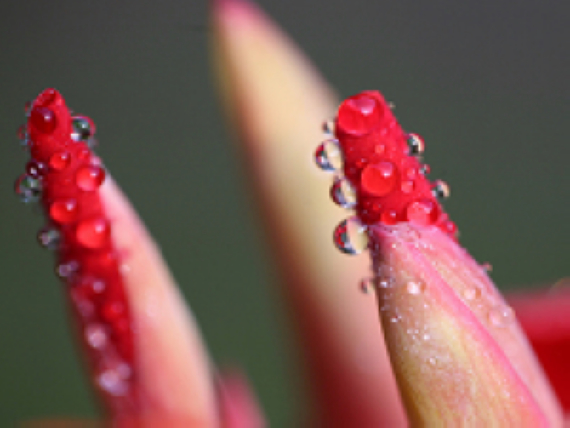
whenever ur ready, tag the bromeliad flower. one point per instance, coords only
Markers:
(453, 351)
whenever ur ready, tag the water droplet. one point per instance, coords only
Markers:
(83, 128)
(416, 144)
(472, 293)
(426, 336)
(432, 361)
(422, 212)
(394, 320)
(89, 178)
(328, 127)
(343, 194)
(441, 189)
(96, 335)
(35, 169)
(368, 285)
(59, 161)
(501, 315)
(64, 210)
(113, 382)
(379, 179)
(27, 107)
(487, 267)
(379, 149)
(67, 270)
(49, 238)
(28, 188)
(328, 156)
(43, 119)
(389, 217)
(93, 233)
(415, 287)
(112, 311)
(425, 169)
(359, 114)
(350, 236)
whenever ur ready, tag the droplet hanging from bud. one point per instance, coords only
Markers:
(350, 236)
(28, 188)
(441, 189)
(49, 238)
(328, 156)
(83, 128)
(343, 194)
(416, 144)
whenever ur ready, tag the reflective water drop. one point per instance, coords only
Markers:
(83, 128)
(28, 188)
(379, 179)
(350, 236)
(35, 169)
(472, 293)
(343, 194)
(59, 161)
(360, 114)
(328, 156)
(23, 136)
(389, 217)
(49, 238)
(368, 285)
(432, 361)
(93, 233)
(328, 127)
(67, 270)
(416, 144)
(89, 178)
(501, 315)
(425, 169)
(422, 212)
(64, 210)
(441, 189)
(415, 287)
(113, 382)
(95, 335)
(43, 119)
(407, 186)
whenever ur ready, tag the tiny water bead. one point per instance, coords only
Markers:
(441, 189)
(28, 188)
(67, 270)
(422, 212)
(89, 178)
(379, 179)
(415, 287)
(64, 211)
(472, 293)
(93, 233)
(83, 128)
(22, 135)
(359, 115)
(328, 127)
(59, 161)
(96, 335)
(501, 315)
(416, 144)
(350, 236)
(343, 194)
(113, 382)
(49, 238)
(35, 169)
(328, 155)
(43, 119)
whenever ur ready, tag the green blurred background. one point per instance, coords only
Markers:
(485, 82)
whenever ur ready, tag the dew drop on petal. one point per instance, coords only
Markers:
(35, 169)
(350, 236)
(28, 188)
(63, 211)
(422, 212)
(23, 135)
(472, 293)
(379, 179)
(67, 270)
(328, 155)
(343, 194)
(89, 178)
(416, 144)
(441, 190)
(415, 287)
(359, 115)
(49, 238)
(93, 233)
(83, 128)
(59, 161)
(96, 335)
(43, 119)
(112, 382)
(407, 186)
(501, 315)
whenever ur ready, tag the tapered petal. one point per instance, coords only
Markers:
(457, 350)
(276, 102)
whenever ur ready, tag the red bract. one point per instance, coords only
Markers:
(66, 175)
(382, 163)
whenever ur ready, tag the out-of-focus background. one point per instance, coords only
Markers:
(486, 83)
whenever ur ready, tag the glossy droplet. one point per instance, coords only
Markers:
(328, 127)
(93, 233)
(449, 227)
(501, 315)
(63, 211)
(328, 156)
(350, 236)
(416, 144)
(28, 188)
(407, 186)
(49, 238)
(43, 119)
(472, 293)
(343, 194)
(415, 287)
(67, 270)
(389, 217)
(422, 212)
(113, 382)
(89, 178)
(425, 169)
(95, 335)
(359, 115)
(83, 128)
(59, 161)
(367, 285)
(35, 169)
(379, 179)
(441, 189)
